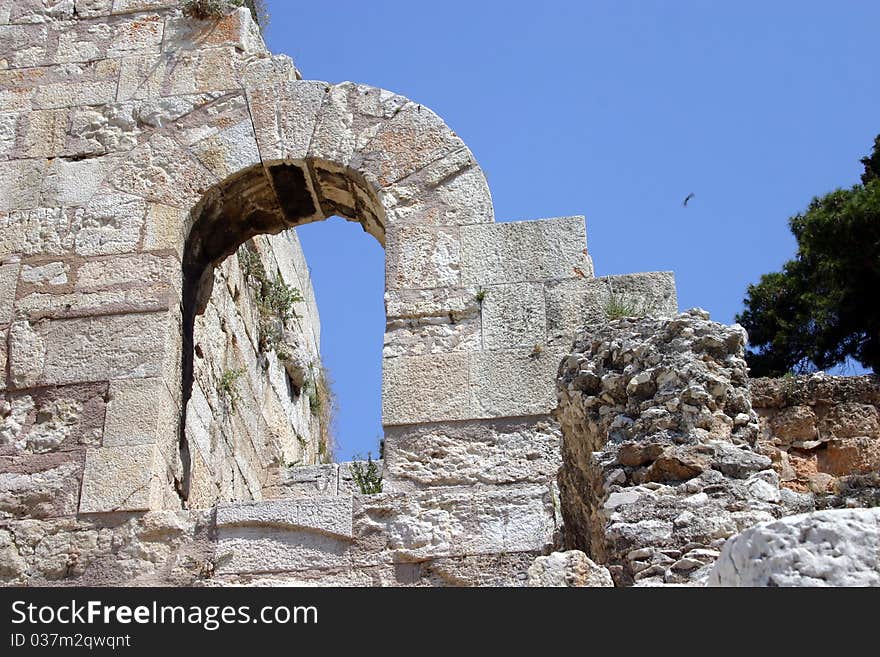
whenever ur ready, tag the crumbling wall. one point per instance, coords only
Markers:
(823, 435)
(660, 457)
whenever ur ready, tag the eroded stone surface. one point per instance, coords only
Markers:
(826, 548)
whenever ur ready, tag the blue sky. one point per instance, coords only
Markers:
(615, 110)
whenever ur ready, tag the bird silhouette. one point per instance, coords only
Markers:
(688, 198)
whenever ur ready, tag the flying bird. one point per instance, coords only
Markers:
(688, 198)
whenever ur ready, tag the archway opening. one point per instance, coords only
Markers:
(255, 391)
(347, 273)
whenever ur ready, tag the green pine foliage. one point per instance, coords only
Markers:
(822, 308)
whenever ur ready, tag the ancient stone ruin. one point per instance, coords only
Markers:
(164, 410)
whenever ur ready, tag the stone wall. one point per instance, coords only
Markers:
(660, 457)
(823, 435)
(143, 379)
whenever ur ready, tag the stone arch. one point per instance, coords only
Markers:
(362, 153)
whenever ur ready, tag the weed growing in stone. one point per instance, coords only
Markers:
(366, 475)
(619, 305)
(226, 385)
(275, 300)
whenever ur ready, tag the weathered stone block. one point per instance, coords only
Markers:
(425, 388)
(20, 182)
(8, 283)
(434, 336)
(448, 522)
(110, 223)
(513, 382)
(444, 302)
(304, 481)
(54, 419)
(571, 568)
(123, 478)
(140, 412)
(520, 251)
(70, 182)
(472, 453)
(262, 549)
(40, 485)
(513, 316)
(328, 515)
(88, 349)
(284, 535)
(827, 548)
(284, 117)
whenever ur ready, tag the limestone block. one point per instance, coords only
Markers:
(164, 228)
(434, 336)
(521, 251)
(328, 515)
(81, 42)
(269, 70)
(284, 535)
(93, 8)
(422, 257)
(70, 94)
(8, 282)
(8, 126)
(4, 356)
(349, 118)
(56, 419)
(110, 223)
(236, 29)
(88, 349)
(503, 569)
(142, 76)
(474, 453)
(274, 549)
(425, 388)
(36, 11)
(27, 355)
(72, 182)
(20, 182)
(105, 128)
(450, 191)
(574, 304)
(23, 45)
(513, 316)
(228, 151)
(444, 522)
(123, 478)
(143, 32)
(42, 133)
(456, 302)
(571, 568)
(284, 117)
(513, 382)
(140, 412)
(40, 485)
(305, 481)
(836, 547)
(410, 140)
(131, 6)
(163, 172)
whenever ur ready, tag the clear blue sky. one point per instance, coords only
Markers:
(615, 110)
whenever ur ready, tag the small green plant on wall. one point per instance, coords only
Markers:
(366, 475)
(226, 385)
(275, 300)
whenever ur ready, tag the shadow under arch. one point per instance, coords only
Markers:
(259, 200)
